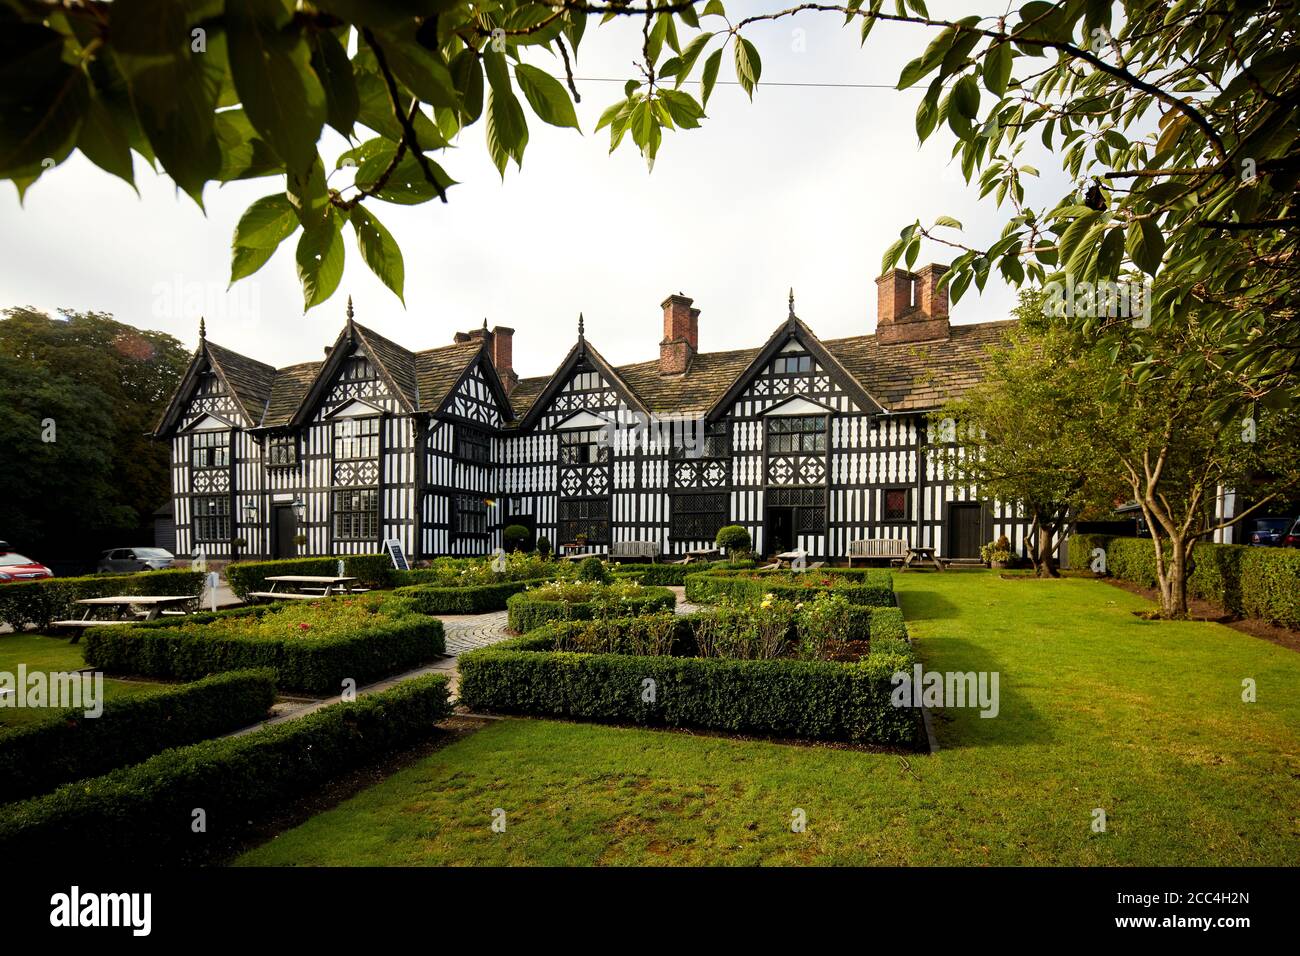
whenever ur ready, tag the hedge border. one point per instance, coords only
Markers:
(813, 700)
(674, 574)
(526, 613)
(145, 813)
(69, 746)
(1262, 583)
(48, 599)
(310, 665)
(474, 599)
(371, 571)
(875, 587)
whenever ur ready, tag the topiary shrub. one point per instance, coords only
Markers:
(593, 569)
(516, 537)
(734, 540)
(544, 546)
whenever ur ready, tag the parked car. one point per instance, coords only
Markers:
(135, 559)
(1269, 532)
(1292, 537)
(16, 567)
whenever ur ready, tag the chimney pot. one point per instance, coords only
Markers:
(502, 346)
(681, 334)
(910, 307)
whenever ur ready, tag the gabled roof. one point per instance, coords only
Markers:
(581, 352)
(247, 380)
(793, 327)
(396, 365)
(287, 393)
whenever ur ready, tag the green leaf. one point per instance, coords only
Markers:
(467, 74)
(690, 55)
(683, 109)
(330, 61)
(243, 155)
(320, 258)
(548, 98)
(997, 68)
(947, 221)
(421, 71)
(279, 90)
(710, 75)
(104, 143)
(378, 250)
(507, 130)
(966, 97)
(266, 223)
(1146, 245)
(748, 65)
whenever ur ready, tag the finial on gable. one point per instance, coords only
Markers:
(349, 308)
(485, 323)
(792, 302)
(203, 329)
(581, 323)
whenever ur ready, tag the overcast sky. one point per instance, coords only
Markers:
(804, 187)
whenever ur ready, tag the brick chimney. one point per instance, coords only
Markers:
(500, 344)
(681, 335)
(910, 307)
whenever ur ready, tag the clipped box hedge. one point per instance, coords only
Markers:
(310, 665)
(528, 611)
(869, 586)
(39, 602)
(472, 599)
(1261, 583)
(68, 745)
(146, 813)
(674, 575)
(370, 570)
(815, 700)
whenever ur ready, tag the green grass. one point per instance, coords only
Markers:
(42, 653)
(1099, 709)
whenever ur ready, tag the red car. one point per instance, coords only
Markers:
(15, 567)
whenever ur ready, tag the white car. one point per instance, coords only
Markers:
(121, 560)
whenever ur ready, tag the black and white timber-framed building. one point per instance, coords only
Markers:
(808, 444)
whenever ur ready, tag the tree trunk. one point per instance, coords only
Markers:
(1045, 561)
(1172, 576)
(1031, 547)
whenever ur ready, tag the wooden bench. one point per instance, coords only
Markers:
(634, 550)
(83, 622)
(877, 549)
(283, 596)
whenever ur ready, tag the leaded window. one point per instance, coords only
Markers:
(792, 365)
(585, 446)
(356, 514)
(211, 517)
(282, 450)
(587, 517)
(210, 450)
(698, 517)
(894, 504)
(357, 368)
(809, 506)
(469, 516)
(796, 433)
(356, 438)
(473, 445)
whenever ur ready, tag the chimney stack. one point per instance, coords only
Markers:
(910, 307)
(681, 334)
(500, 345)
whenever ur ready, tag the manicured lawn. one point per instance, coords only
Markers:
(41, 653)
(1099, 709)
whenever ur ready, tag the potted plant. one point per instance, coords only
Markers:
(997, 554)
(300, 540)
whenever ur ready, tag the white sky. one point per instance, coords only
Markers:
(805, 187)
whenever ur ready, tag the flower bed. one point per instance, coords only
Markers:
(145, 813)
(49, 599)
(577, 600)
(819, 700)
(478, 572)
(370, 570)
(312, 646)
(871, 586)
(69, 746)
(1251, 582)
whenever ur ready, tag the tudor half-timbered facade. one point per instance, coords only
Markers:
(808, 444)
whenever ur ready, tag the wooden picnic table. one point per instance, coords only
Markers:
(919, 555)
(320, 585)
(155, 604)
